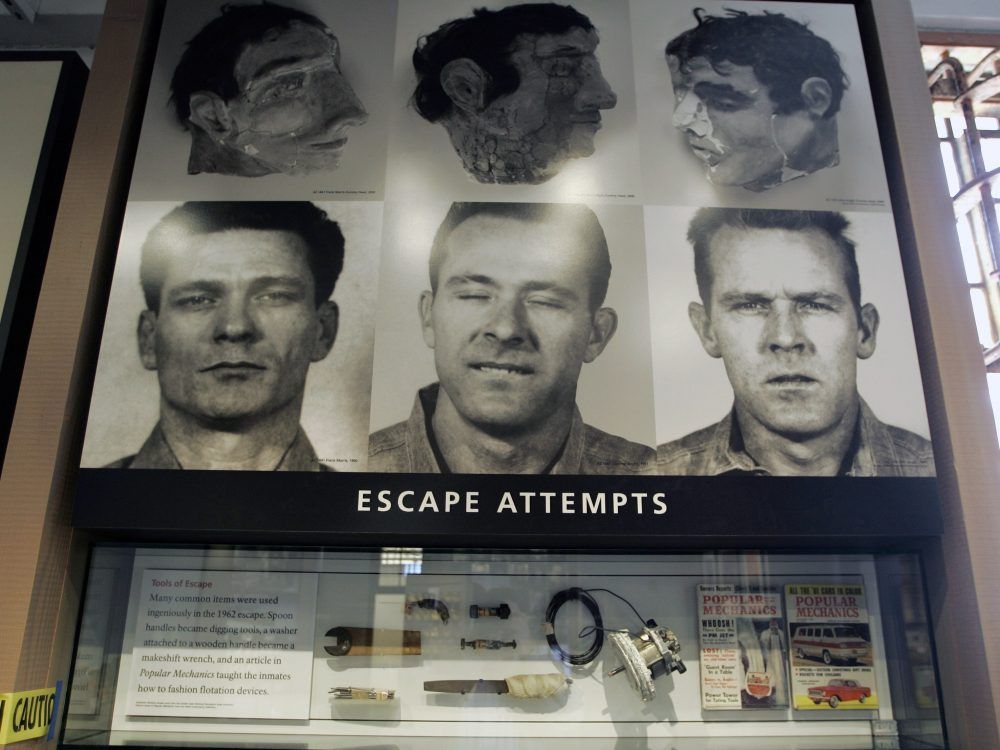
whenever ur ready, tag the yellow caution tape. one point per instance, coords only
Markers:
(26, 714)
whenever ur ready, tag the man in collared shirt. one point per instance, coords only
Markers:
(514, 312)
(238, 308)
(781, 306)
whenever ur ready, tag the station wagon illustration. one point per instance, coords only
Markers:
(830, 643)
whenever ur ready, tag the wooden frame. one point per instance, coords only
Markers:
(46, 557)
(33, 246)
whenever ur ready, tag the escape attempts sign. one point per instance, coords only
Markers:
(366, 308)
(223, 644)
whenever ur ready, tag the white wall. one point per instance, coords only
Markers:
(964, 15)
(26, 92)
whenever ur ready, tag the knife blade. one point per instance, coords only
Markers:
(498, 687)
(518, 686)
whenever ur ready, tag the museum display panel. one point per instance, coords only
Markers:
(611, 347)
(280, 647)
(381, 292)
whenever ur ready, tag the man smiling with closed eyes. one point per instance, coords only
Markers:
(513, 313)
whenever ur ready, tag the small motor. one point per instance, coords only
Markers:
(644, 657)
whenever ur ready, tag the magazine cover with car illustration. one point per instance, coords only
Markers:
(830, 647)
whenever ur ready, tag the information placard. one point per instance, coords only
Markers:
(223, 644)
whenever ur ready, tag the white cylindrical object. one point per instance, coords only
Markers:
(536, 685)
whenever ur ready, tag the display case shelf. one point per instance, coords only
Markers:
(246, 646)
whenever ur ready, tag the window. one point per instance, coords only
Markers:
(964, 80)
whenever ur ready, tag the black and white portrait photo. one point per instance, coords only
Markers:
(493, 316)
(537, 98)
(288, 95)
(291, 107)
(238, 336)
(740, 100)
(756, 97)
(783, 345)
(519, 89)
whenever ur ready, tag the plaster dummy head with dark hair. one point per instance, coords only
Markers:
(261, 91)
(519, 90)
(756, 97)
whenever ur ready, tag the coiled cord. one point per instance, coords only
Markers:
(574, 594)
(581, 595)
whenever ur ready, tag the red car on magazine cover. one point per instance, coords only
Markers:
(838, 691)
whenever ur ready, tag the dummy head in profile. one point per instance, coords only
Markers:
(260, 90)
(756, 98)
(519, 90)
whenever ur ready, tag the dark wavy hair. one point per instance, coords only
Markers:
(585, 219)
(782, 52)
(210, 57)
(486, 38)
(708, 221)
(322, 236)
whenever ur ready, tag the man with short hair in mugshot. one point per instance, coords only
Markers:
(237, 309)
(781, 307)
(756, 97)
(260, 90)
(513, 313)
(519, 89)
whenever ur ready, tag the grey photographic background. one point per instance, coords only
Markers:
(364, 30)
(125, 402)
(691, 388)
(615, 391)
(672, 175)
(421, 154)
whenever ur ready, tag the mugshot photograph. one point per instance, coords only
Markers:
(238, 336)
(267, 101)
(514, 101)
(511, 339)
(782, 345)
(755, 104)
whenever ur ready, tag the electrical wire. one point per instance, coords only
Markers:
(618, 596)
(574, 594)
(597, 629)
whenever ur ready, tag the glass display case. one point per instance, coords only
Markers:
(405, 647)
(529, 601)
